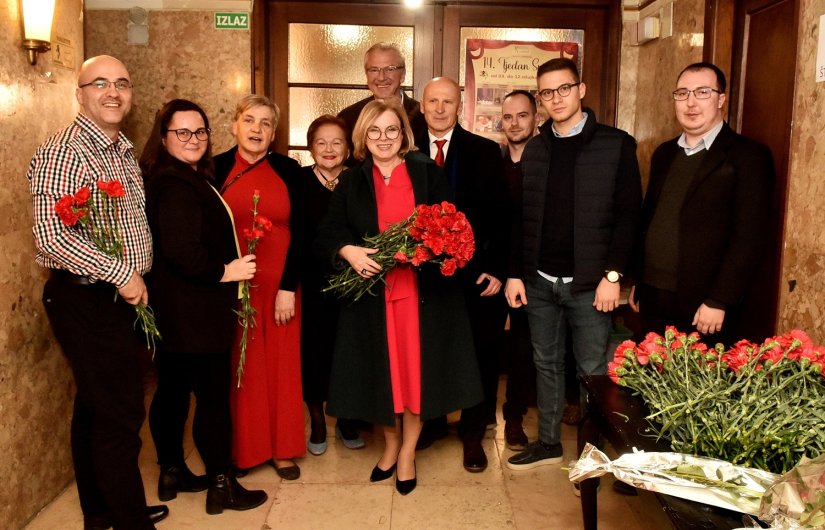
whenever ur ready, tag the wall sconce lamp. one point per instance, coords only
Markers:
(37, 18)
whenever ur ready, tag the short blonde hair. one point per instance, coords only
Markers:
(369, 114)
(254, 100)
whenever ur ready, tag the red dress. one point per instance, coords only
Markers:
(396, 202)
(267, 411)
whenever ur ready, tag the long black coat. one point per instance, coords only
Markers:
(193, 239)
(723, 220)
(360, 383)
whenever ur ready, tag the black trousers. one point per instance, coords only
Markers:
(521, 371)
(209, 377)
(487, 317)
(96, 334)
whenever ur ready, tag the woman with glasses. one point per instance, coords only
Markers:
(194, 286)
(406, 353)
(327, 141)
(267, 411)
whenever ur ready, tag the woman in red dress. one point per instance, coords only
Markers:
(268, 416)
(405, 354)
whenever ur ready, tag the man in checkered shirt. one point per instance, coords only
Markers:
(95, 328)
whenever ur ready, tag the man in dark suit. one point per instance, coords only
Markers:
(704, 217)
(475, 170)
(385, 70)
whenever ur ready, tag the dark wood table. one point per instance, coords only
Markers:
(616, 414)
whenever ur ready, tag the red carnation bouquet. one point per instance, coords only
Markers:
(436, 233)
(101, 223)
(758, 405)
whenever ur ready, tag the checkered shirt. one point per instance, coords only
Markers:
(78, 156)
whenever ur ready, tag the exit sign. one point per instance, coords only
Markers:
(231, 20)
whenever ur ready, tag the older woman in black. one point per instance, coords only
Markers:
(194, 289)
(327, 141)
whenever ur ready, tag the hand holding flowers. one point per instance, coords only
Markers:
(100, 222)
(435, 233)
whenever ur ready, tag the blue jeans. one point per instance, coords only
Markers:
(551, 307)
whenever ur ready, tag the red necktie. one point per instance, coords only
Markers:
(439, 155)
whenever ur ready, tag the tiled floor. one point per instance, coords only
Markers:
(334, 492)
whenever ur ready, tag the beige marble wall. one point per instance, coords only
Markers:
(804, 256)
(185, 58)
(36, 388)
(656, 67)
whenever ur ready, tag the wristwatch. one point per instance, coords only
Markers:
(612, 276)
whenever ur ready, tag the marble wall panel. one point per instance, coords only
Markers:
(802, 299)
(628, 83)
(36, 388)
(186, 57)
(659, 62)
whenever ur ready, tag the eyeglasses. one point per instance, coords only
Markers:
(323, 144)
(392, 132)
(375, 70)
(184, 135)
(563, 90)
(104, 84)
(703, 92)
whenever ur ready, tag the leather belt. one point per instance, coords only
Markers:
(65, 276)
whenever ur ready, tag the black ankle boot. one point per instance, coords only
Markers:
(178, 478)
(225, 493)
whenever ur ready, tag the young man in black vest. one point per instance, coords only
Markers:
(581, 199)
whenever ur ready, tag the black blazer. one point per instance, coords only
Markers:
(475, 171)
(723, 221)
(193, 238)
(290, 172)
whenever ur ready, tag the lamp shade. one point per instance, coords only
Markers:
(37, 19)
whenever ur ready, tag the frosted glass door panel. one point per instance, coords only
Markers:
(306, 104)
(334, 53)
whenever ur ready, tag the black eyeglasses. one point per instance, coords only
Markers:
(104, 84)
(392, 132)
(563, 90)
(184, 135)
(703, 92)
(375, 70)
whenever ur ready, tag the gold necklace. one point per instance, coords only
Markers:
(328, 183)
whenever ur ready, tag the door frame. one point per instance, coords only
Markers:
(270, 40)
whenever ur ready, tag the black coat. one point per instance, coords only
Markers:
(475, 170)
(193, 239)
(290, 172)
(360, 382)
(723, 220)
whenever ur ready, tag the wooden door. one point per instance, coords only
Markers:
(761, 55)
(437, 28)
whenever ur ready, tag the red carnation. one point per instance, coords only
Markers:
(65, 210)
(263, 222)
(449, 267)
(82, 195)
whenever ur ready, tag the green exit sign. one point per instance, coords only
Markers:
(231, 20)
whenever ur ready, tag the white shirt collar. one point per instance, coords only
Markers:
(704, 143)
(434, 148)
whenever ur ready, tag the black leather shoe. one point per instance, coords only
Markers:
(103, 521)
(225, 493)
(429, 435)
(405, 487)
(379, 474)
(475, 461)
(178, 478)
(157, 513)
(292, 472)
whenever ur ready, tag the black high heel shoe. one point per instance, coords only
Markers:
(405, 487)
(379, 474)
